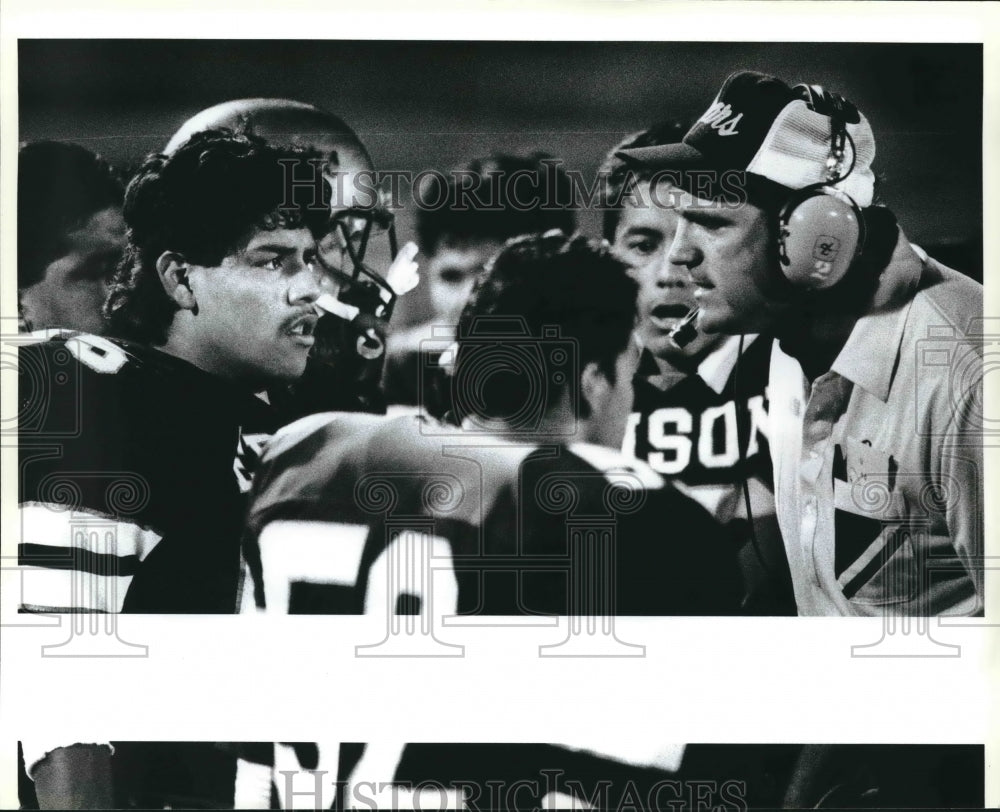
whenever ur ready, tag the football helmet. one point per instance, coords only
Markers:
(363, 236)
(347, 358)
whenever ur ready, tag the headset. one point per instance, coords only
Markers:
(821, 231)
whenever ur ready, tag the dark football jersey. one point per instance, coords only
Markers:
(705, 433)
(173, 775)
(356, 514)
(134, 467)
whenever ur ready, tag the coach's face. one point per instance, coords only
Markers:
(646, 229)
(255, 311)
(728, 251)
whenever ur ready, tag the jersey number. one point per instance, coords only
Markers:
(414, 563)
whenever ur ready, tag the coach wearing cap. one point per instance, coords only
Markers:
(876, 380)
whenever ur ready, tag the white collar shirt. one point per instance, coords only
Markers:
(878, 464)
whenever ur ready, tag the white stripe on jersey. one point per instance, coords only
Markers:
(56, 525)
(45, 590)
(56, 589)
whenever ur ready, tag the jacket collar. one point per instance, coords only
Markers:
(869, 357)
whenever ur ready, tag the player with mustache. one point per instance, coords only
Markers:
(216, 301)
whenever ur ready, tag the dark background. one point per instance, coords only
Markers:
(419, 105)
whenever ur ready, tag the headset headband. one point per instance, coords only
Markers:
(841, 113)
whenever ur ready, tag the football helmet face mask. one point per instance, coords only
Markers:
(357, 240)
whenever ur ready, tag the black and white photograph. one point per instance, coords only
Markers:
(541, 279)
(649, 369)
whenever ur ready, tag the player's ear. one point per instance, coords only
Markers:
(594, 387)
(173, 270)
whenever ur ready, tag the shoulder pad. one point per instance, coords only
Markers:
(294, 433)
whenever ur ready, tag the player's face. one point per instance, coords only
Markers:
(610, 412)
(255, 311)
(74, 287)
(643, 238)
(727, 251)
(452, 271)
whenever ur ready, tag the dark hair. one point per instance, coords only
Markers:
(538, 283)
(496, 198)
(59, 187)
(203, 201)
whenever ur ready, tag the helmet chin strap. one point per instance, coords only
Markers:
(328, 303)
(401, 278)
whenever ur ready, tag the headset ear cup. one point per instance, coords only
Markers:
(820, 234)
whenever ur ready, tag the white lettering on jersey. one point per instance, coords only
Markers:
(631, 426)
(310, 552)
(758, 423)
(669, 430)
(706, 447)
(679, 422)
(408, 566)
(413, 563)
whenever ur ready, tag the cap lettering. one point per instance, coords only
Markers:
(721, 119)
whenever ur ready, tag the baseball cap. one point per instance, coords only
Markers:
(760, 125)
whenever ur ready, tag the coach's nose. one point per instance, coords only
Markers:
(684, 252)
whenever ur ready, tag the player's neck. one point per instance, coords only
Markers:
(181, 346)
(188, 347)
